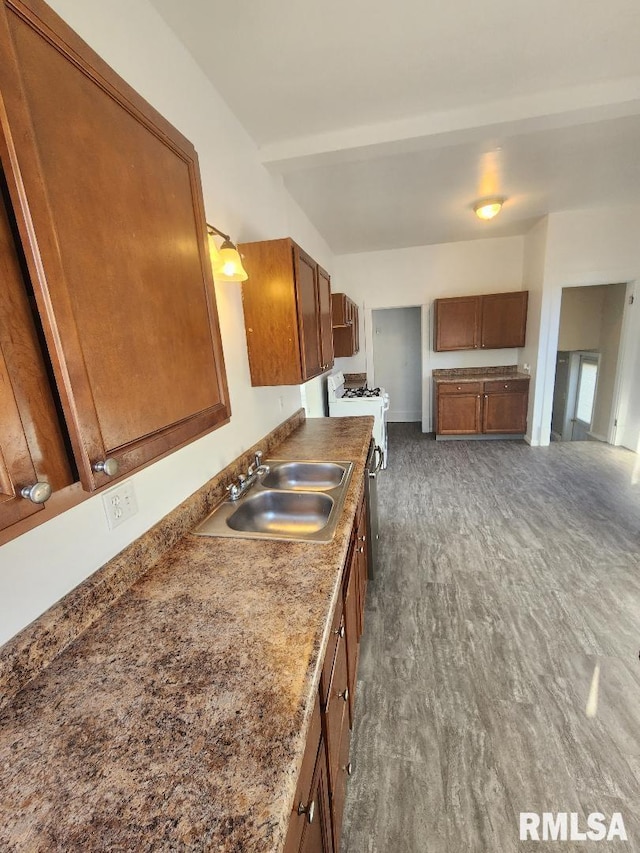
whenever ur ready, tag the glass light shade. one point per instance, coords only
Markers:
(487, 208)
(226, 261)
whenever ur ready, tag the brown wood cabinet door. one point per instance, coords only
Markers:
(362, 567)
(356, 329)
(317, 837)
(505, 412)
(31, 442)
(458, 414)
(504, 320)
(308, 313)
(339, 790)
(352, 635)
(108, 201)
(456, 323)
(326, 330)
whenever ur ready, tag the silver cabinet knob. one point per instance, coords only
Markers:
(340, 631)
(309, 810)
(344, 695)
(37, 493)
(107, 466)
(348, 768)
(363, 538)
(361, 550)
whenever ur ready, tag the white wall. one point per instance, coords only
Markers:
(581, 318)
(535, 252)
(582, 247)
(613, 305)
(242, 198)
(416, 276)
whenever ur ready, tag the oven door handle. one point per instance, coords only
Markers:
(376, 469)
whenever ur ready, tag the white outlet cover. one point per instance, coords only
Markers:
(119, 504)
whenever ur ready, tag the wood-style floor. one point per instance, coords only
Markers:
(507, 573)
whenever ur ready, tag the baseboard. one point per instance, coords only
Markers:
(400, 417)
(594, 436)
(509, 436)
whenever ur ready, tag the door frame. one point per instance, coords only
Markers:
(618, 406)
(424, 350)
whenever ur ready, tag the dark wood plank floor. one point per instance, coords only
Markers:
(507, 573)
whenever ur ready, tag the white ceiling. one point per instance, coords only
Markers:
(387, 121)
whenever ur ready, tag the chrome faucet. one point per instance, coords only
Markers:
(245, 481)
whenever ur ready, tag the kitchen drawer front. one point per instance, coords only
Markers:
(337, 634)
(461, 387)
(303, 794)
(336, 710)
(520, 385)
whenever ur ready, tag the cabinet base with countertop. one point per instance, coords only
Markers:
(182, 701)
(480, 403)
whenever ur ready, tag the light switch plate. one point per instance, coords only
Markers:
(120, 504)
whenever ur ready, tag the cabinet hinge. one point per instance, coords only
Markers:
(632, 299)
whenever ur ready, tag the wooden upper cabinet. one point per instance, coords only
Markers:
(285, 303)
(109, 206)
(32, 448)
(308, 312)
(493, 321)
(504, 320)
(346, 325)
(456, 323)
(326, 330)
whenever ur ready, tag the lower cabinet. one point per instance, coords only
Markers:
(482, 408)
(316, 819)
(310, 826)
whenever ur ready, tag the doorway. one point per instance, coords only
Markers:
(397, 360)
(587, 363)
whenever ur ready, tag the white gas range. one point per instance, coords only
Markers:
(355, 402)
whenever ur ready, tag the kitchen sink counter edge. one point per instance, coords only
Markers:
(178, 719)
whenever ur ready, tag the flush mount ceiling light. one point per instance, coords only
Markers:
(487, 208)
(226, 261)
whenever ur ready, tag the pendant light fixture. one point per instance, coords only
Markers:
(226, 260)
(487, 208)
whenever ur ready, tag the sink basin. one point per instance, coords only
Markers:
(282, 513)
(294, 501)
(304, 476)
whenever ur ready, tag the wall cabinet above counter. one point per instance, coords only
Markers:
(287, 313)
(103, 234)
(492, 321)
(346, 325)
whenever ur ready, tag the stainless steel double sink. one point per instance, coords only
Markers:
(292, 501)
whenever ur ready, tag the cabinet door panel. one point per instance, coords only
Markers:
(16, 466)
(504, 320)
(456, 323)
(505, 413)
(31, 442)
(113, 195)
(307, 300)
(337, 709)
(317, 835)
(326, 331)
(458, 413)
(339, 791)
(351, 627)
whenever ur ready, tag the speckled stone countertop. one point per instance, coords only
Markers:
(479, 374)
(177, 720)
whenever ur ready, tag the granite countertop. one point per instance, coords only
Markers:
(178, 719)
(479, 374)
